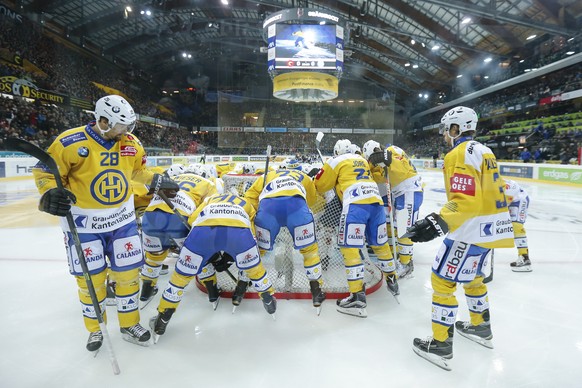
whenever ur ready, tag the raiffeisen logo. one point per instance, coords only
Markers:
(556, 174)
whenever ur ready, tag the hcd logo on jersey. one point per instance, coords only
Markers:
(110, 187)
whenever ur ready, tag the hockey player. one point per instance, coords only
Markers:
(283, 199)
(518, 205)
(407, 196)
(477, 220)
(362, 219)
(224, 168)
(225, 224)
(97, 162)
(163, 230)
(205, 172)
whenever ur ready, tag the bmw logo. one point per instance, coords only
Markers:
(83, 152)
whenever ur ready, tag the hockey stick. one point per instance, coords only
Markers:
(185, 222)
(391, 207)
(266, 166)
(34, 151)
(317, 143)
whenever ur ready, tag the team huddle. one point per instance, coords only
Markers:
(129, 217)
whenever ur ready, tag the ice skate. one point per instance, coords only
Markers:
(239, 293)
(392, 285)
(317, 295)
(95, 341)
(136, 334)
(436, 352)
(523, 264)
(159, 323)
(269, 303)
(213, 293)
(148, 290)
(480, 333)
(354, 304)
(404, 271)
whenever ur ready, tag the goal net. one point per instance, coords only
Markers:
(284, 264)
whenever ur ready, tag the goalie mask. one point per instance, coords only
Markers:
(248, 168)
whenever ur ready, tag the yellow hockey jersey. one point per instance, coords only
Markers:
(476, 211)
(224, 210)
(193, 190)
(282, 183)
(350, 175)
(100, 173)
(224, 168)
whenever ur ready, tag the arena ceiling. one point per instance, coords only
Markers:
(379, 48)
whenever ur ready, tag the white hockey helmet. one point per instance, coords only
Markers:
(464, 117)
(248, 168)
(197, 169)
(176, 169)
(355, 149)
(294, 164)
(117, 111)
(369, 148)
(341, 147)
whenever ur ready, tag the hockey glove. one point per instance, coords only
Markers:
(427, 229)
(221, 261)
(164, 184)
(57, 202)
(381, 158)
(314, 171)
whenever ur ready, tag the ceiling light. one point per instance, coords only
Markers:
(128, 8)
(531, 37)
(412, 42)
(141, 12)
(420, 95)
(423, 45)
(435, 47)
(415, 66)
(570, 52)
(184, 55)
(523, 60)
(571, 39)
(148, 12)
(425, 96)
(321, 23)
(225, 2)
(486, 77)
(487, 60)
(527, 70)
(460, 75)
(407, 64)
(466, 20)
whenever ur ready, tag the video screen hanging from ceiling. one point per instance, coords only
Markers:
(305, 46)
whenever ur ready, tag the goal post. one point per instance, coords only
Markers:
(284, 264)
